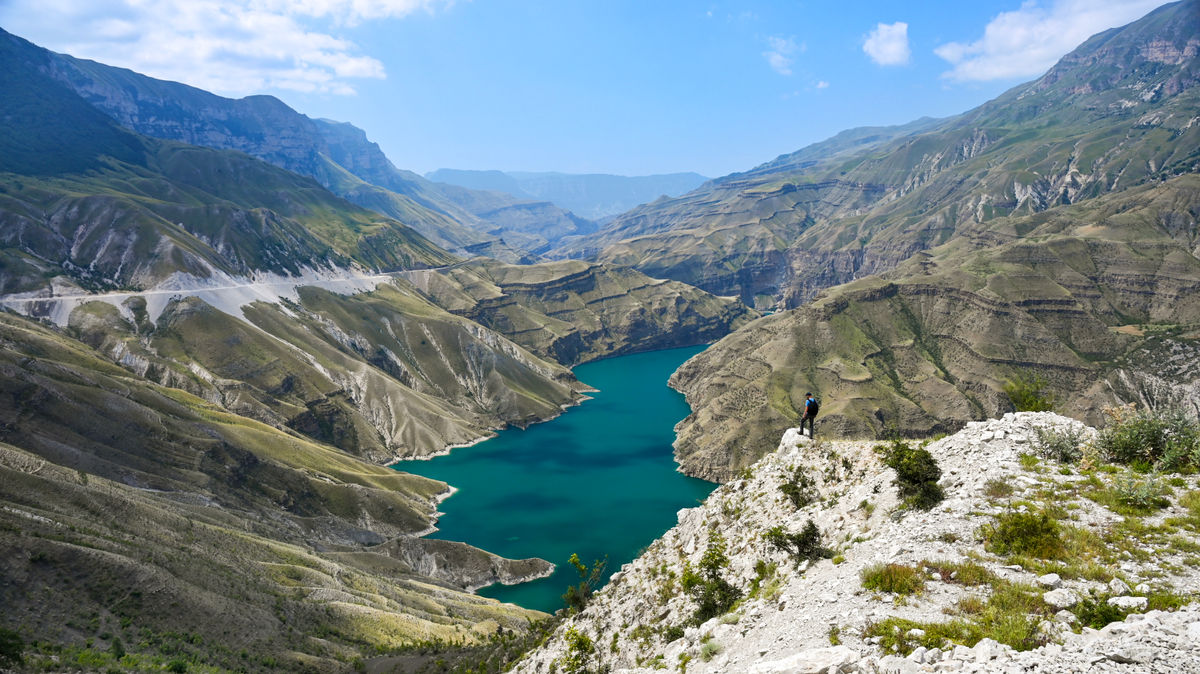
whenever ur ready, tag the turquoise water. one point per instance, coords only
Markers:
(598, 480)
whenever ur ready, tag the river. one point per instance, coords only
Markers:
(598, 480)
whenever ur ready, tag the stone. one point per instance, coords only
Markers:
(1129, 654)
(1061, 598)
(1051, 581)
(1118, 587)
(986, 650)
(1065, 616)
(915, 633)
(918, 654)
(1142, 588)
(1193, 631)
(812, 661)
(1128, 603)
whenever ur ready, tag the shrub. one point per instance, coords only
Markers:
(1024, 533)
(895, 578)
(713, 594)
(578, 596)
(1062, 445)
(1168, 439)
(799, 489)
(579, 651)
(1095, 612)
(11, 648)
(917, 473)
(801, 546)
(1028, 393)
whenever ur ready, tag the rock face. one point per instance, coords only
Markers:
(575, 311)
(1115, 113)
(930, 345)
(790, 612)
(337, 155)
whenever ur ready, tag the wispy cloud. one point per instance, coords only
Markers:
(779, 56)
(232, 47)
(887, 45)
(1027, 41)
(822, 84)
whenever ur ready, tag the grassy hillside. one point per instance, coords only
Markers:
(1090, 298)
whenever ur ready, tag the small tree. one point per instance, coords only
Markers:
(11, 648)
(917, 473)
(1028, 393)
(578, 596)
(713, 594)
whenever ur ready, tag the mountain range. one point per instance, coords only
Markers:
(596, 196)
(222, 316)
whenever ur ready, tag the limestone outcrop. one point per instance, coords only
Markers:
(817, 615)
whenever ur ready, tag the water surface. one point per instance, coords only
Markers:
(598, 480)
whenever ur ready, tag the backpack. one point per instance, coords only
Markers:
(812, 407)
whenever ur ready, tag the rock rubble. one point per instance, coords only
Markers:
(814, 616)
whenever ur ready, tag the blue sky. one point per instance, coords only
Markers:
(615, 86)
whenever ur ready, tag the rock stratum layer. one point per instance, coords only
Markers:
(1087, 297)
(573, 312)
(791, 611)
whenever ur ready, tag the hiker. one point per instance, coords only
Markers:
(811, 407)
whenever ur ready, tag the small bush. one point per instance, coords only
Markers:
(713, 594)
(1168, 439)
(997, 489)
(1060, 445)
(799, 489)
(917, 473)
(801, 546)
(1024, 533)
(11, 648)
(895, 578)
(579, 651)
(578, 596)
(1095, 612)
(709, 650)
(1028, 393)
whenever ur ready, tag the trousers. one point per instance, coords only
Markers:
(808, 420)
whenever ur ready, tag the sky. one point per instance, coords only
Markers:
(631, 87)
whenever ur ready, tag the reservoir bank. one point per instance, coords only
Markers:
(598, 480)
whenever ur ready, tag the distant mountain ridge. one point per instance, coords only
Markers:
(591, 195)
(337, 154)
(1117, 111)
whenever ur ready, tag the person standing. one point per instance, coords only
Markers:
(811, 407)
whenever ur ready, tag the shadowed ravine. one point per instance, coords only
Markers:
(597, 480)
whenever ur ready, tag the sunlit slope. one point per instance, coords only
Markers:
(1100, 299)
(1117, 112)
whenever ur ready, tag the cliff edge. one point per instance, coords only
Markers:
(1027, 562)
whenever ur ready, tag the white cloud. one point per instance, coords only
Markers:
(779, 56)
(887, 45)
(822, 84)
(1027, 41)
(231, 47)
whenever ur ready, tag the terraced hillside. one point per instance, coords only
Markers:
(1117, 112)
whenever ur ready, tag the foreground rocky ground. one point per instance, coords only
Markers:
(1115, 550)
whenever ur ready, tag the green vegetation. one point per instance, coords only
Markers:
(804, 545)
(800, 489)
(713, 594)
(579, 652)
(11, 648)
(1168, 440)
(1030, 533)
(1009, 615)
(1028, 393)
(578, 596)
(1062, 445)
(917, 473)
(894, 578)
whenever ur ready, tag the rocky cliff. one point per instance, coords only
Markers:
(844, 605)
(573, 312)
(1080, 296)
(1117, 112)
